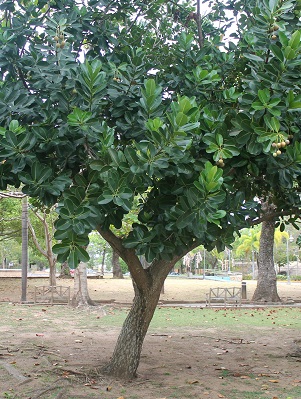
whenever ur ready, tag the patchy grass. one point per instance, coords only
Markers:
(164, 317)
(188, 353)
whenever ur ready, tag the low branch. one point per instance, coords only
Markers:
(139, 274)
(13, 194)
(35, 240)
(275, 215)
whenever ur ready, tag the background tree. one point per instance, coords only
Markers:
(106, 105)
(248, 245)
(46, 218)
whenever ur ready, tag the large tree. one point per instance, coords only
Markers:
(112, 107)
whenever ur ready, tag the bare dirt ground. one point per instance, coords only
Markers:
(55, 352)
(176, 290)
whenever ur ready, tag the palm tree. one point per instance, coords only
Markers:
(249, 244)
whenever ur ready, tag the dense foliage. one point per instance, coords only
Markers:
(112, 106)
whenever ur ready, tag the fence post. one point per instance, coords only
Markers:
(243, 290)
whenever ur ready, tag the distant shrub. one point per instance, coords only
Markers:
(281, 277)
(247, 277)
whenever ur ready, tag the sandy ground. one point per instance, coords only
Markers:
(55, 352)
(176, 289)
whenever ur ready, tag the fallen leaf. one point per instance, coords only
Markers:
(193, 382)
(78, 341)
(109, 388)
(274, 381)
(220, 395)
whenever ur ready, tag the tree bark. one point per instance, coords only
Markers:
(65, 271)
(49, 255)
(266, 290)
(126, 356)
(24, 248)
(117, 273)
(81, 295)
(147, 285)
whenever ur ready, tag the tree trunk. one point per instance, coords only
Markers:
(126, 356)
(24, 248)
(266, 290)
(81, 295)
(117, 273)
(65, 271)
(52, 272)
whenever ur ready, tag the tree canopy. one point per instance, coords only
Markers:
(110, 103)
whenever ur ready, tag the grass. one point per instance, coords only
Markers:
(232, 318)
(294, 393)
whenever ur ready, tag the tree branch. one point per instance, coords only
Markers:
(199, 24)
(275, 215)
(35, 240)
(140, 275)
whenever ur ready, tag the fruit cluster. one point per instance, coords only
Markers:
(220, 162)
(278, 146)
(59, 39)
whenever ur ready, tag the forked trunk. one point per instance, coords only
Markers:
(266, 290)
(126, 356)
(81, 295)
(117, 273)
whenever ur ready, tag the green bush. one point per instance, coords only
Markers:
(247, 277)
(281, 277)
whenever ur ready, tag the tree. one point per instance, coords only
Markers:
(249, 244)
(46, 220)
(266, 289)
(117, 272)
(81, 295)
(108, 108)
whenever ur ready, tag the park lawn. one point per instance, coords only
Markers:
(189, 352)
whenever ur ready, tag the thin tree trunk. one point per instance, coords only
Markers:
(266, 290)
(65, 271)
(52, 272)
(24, 248)
(126, 356)
(117, 273)
(81, 295)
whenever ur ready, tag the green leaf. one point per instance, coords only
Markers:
(82, 254)
(185, 219)
(181, 119)
(253, 57)
(264, 96)
(61, 249)
(294, 41)
(289, 53)
(277, 52)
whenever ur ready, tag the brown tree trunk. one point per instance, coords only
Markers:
(52, 272)
(266, 290)
(126, 356)
(117, 273)
(65, 271)
(81, 295)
